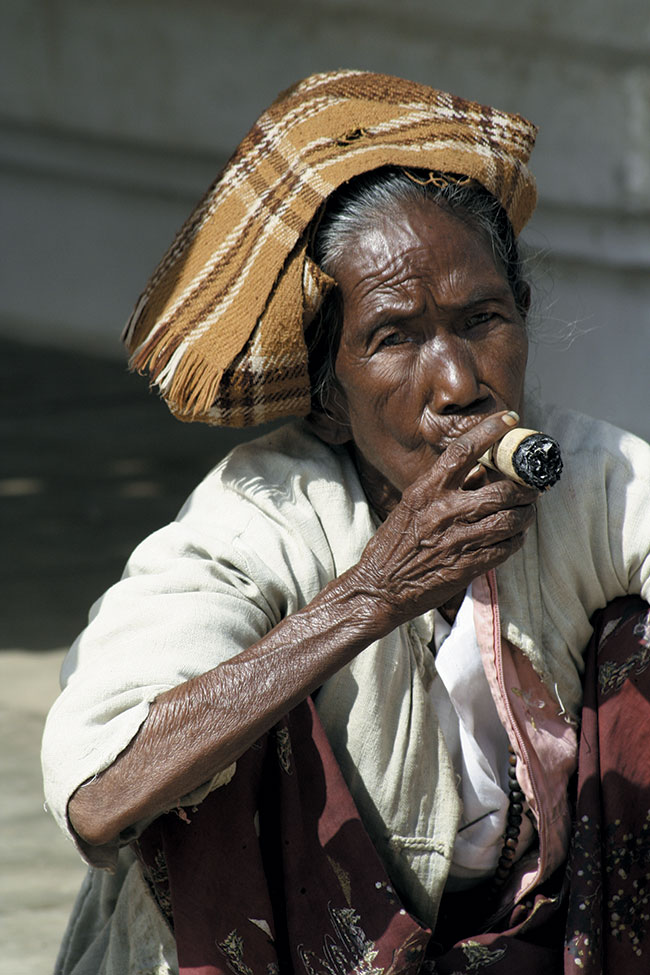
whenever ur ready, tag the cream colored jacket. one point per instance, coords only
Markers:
(257, 540)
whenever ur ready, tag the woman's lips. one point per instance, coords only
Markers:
(441, 431)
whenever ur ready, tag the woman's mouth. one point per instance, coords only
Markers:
(441, 430)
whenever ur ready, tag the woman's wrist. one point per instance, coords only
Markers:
(374, 609)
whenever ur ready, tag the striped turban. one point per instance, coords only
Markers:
(220, 325)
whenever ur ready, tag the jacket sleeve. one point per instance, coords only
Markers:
(193, 594)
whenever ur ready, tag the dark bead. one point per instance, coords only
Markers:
(516, 808)
(514, 819)
(516, 796)
(512, 832)
(510, 844)
(512, 758)
(505, 860)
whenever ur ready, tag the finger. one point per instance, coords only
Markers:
(498, 496)
(502, 525)
(474, 508)
(499, 552)
(463, 453)
(476, 534)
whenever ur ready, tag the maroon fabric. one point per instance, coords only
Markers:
(274, 873)
(609, 902)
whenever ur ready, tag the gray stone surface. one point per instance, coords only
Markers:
(90, 464)
(40, 872)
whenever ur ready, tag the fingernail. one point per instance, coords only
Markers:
(510, 418)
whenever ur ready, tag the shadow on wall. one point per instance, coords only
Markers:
(92, 462)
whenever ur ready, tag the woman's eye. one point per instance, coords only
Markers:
(481, 318)
(394, 338)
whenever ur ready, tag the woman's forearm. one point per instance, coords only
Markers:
(200, 727)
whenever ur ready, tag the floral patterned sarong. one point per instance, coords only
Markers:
(274, 873)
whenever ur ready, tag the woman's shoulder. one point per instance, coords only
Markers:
(595, 522)
(285, 487)
(586, 439)
(283, 473)
(289, 450)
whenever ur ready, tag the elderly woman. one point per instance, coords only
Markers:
(328, 720)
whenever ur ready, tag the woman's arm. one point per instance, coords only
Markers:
(200, 727)
(435, 541)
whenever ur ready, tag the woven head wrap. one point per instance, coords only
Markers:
(220, 324)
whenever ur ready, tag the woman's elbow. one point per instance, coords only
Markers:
(94, 820)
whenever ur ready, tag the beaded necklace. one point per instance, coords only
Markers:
(513, 824)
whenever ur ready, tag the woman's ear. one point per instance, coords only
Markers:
(329, 420)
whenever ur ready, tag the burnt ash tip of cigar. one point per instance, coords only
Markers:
(537, 461)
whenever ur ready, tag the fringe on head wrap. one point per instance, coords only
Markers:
(220, 325)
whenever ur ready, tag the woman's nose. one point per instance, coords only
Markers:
(452, 378)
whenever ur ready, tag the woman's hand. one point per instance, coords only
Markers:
(442, 535)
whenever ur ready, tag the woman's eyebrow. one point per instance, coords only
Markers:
(396, 311)
(393, 310)
(478, 296)
(494, 292)
(390, 316)
(388, 309)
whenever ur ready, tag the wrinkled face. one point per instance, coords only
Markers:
(431, 342)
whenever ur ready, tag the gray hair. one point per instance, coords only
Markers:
(353, 210)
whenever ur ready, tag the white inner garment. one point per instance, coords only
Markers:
(478, 746)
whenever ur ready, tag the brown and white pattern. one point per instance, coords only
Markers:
(220, 324)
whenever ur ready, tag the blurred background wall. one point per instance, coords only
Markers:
(116, 114)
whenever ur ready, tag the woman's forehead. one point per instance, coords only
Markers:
(419, 247)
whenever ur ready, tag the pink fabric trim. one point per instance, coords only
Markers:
(544, 741)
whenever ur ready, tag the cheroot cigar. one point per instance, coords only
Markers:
(527, 457)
